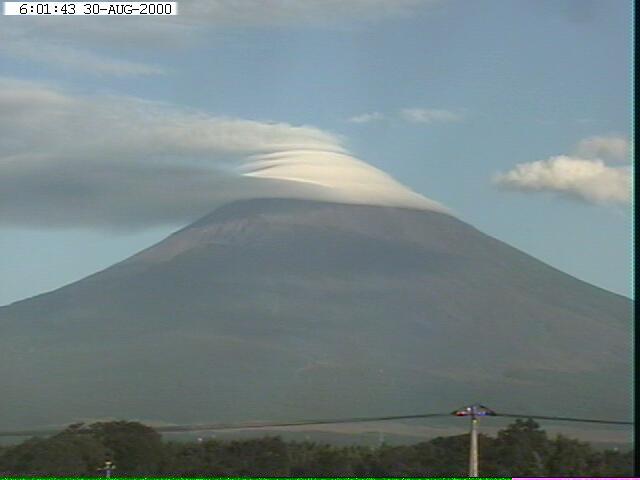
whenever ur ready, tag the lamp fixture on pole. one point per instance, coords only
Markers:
(473, 412)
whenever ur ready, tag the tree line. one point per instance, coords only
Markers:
(521, 449)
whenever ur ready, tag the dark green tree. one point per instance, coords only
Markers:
(193, 459)
(611, 463)
(136, 449)
(262, 457)
(521, 449)
(568, 457)
(66, 454)
(310, 459)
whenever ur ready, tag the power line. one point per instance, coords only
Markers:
(29, 433)
(238, 426)
(241, 426)
(261, 425)
(565, 419)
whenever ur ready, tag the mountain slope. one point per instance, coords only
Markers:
(280, 309)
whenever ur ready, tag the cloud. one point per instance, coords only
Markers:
(366, 117)
(54, 40)
(591, 181)
(430, 115)
(294, 12)
(612, 148)
(574, 11)
(413, 115)
(14, 44)
(121, 162)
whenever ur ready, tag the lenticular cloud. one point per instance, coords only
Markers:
(335, 176)
(117, 162)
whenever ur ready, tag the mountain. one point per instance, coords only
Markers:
(285, 309)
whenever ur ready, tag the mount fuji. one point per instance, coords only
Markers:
(288, 308)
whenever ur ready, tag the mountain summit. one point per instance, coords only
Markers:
(286, 309)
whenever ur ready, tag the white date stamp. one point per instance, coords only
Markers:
(90, 8)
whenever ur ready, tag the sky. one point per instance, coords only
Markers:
(512, 115)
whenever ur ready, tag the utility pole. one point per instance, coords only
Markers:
(108, 468)
(473, 411)
(473, 449)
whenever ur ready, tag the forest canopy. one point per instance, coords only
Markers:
(134, 449)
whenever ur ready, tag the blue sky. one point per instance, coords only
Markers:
(448, 97)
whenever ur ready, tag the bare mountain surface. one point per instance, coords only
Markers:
(285, 309)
